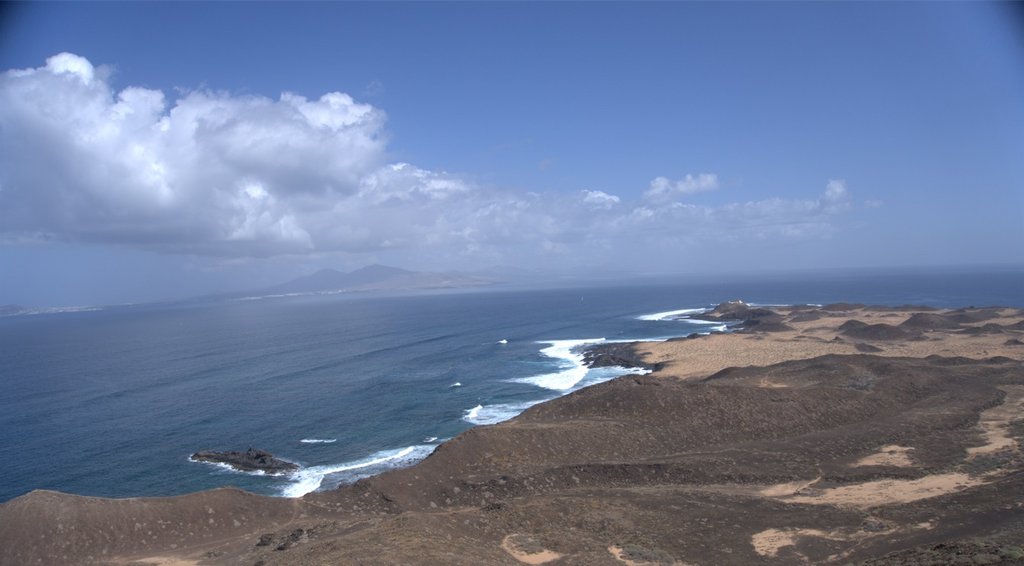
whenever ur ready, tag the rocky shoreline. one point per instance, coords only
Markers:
(763, 446)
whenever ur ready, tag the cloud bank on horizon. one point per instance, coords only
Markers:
(239, 176)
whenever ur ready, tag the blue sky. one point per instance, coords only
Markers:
(618, 138)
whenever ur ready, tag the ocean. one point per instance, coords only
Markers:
(112, 402)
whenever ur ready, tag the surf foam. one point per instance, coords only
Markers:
(318, 440)
(572, 368)
(493, 414)
(308, 480)
(669, 315)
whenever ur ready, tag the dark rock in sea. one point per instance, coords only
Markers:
(929, 321)
(251, 460)
(609, 355)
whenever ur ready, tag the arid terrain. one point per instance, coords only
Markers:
(843, 434)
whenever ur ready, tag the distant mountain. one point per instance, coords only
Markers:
(18, 310)
(11, 310)
(371, 278)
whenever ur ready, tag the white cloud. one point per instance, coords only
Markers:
(73, 64)
(835, 190)
(83, 162)
(600, 199)
(216, 174)
(663, 189)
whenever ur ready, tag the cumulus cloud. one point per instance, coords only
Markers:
(216, 174)
(212, 173)
(600, 199)
(664, 189)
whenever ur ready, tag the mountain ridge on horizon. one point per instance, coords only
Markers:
(373, 277)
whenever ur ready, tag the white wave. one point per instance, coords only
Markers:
(429, 439)
(456, 384)
(572, 368)
(493, 414)
(667, 315)
(318, 440)
(503, 341)
(697, 321)
(308, 480)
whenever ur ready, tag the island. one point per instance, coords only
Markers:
(251, 460)
(840, 434)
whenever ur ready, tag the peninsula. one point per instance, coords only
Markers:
(833, 434)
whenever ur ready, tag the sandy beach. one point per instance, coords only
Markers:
(837, 434)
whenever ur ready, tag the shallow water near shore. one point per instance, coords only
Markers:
(111, 402)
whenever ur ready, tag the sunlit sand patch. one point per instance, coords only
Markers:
(888, 455)
(696, 359)
(767, 382)
(526, 550)
(994, 421)
(770, 541)
(163, 561)
(887, 492)
(658, 558)
(786, 489)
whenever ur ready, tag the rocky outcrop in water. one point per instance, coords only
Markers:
(252, 460)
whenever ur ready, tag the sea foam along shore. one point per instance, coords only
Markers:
(307, 480)
(573, 373)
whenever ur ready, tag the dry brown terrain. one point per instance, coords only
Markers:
(895, 439)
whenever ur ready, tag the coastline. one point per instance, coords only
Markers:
(812, 442)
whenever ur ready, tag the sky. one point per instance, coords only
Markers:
(162, 150)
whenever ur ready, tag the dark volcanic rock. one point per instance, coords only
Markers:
(930, 321)
(737, 310)
(866, 348)
(842, 307)
(852, 325)
(806, 316)
(767, 324)
(251, 460)
(880, 331)
(973, 315)
(609, 355)
(990, 328)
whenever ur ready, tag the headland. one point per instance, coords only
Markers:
(833, 434)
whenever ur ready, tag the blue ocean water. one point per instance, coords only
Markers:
(111, 402)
